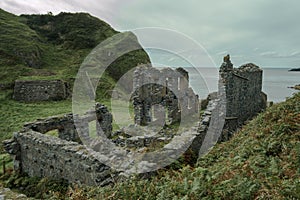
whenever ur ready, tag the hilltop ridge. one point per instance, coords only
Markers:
(54, 46)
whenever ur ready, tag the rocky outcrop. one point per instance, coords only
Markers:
(296, 87)
(295, 70)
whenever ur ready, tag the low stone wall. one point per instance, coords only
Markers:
(66, 127)
(46, 156)
(40, 90)
(38, 154)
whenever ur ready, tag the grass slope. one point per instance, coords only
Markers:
(19, 47)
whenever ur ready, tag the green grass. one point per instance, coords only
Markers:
(5, 158)
(122, 112)
(14, 114)
(20, 47)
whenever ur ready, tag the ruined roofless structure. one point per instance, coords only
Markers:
(244, 96)
(162, 95)
(42, 155)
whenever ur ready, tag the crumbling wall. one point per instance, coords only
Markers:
(244, 96)
(38, 154)
(46, 156)
(162, 95)
(40, 90)
(66, 127)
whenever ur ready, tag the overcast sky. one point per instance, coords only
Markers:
(266, 32)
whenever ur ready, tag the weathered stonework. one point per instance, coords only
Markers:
(163, 95)
(66, 127)
(238, 99)
(40, 90)
(244, 96)
(38, 154)
(46, 156)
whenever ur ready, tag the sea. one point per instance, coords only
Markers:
(276, 82)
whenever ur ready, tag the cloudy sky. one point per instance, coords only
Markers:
(264, 32)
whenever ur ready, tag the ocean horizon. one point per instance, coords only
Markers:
(276, 82)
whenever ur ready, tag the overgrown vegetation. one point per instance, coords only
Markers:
(36, 187)
(261, 161)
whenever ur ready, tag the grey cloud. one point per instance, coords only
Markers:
(269, 54)
(103, 9)
(272, 54)
(249, 30)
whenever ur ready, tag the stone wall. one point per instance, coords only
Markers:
(66, 127)
(46, 156)
(40, 90)
(244, 96)
(162, 95)
(38, 154)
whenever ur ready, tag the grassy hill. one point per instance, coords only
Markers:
(55, 46)
(51, 47)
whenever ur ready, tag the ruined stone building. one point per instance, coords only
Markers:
(64, 157)
(162, 95)
(244, 96)
(159, 96)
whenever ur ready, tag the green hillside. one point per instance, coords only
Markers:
(55, 46)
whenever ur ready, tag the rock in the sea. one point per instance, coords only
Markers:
(295, 70)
